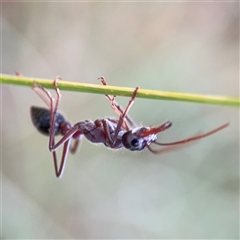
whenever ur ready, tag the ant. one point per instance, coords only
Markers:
(113, 133)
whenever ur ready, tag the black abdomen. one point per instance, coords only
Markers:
(41, 120)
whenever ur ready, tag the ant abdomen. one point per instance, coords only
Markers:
(41, 120)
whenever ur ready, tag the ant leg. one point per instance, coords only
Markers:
(107, 128)
(50, 102)
(37, 88)
(49, 99)
(76, 143)
(118, 109)
(123, 116)
(53, 111)
(74, 147)
(66, 146)
(59, 171)
(65, 141)
(107, 132)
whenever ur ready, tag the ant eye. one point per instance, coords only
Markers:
(132, 142)
(135, 142)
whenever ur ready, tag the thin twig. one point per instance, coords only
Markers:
(121, 91)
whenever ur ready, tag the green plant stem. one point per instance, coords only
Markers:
(122, 91)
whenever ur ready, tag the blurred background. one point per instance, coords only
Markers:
(189, 192)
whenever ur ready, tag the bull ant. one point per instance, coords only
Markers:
(113, 133)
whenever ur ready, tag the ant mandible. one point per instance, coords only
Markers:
(113, 133)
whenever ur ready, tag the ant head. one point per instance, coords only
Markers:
(138, 138)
